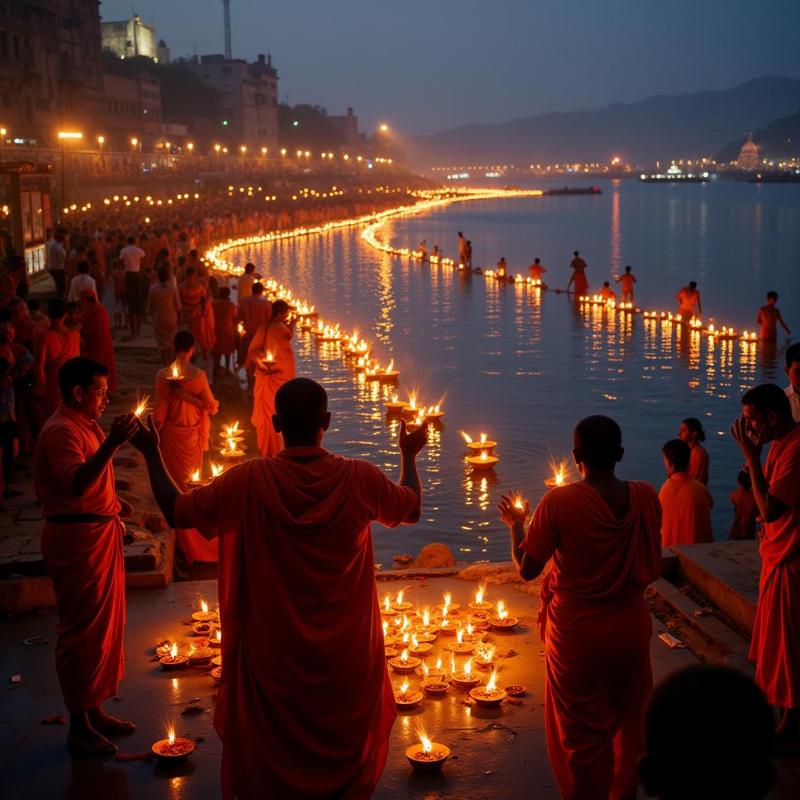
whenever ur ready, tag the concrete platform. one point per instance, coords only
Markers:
(496, 754)
(727, 574)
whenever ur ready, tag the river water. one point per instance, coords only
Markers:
(523, 365)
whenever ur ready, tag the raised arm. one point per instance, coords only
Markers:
(514, 518)
(165, 492)
(410, 444)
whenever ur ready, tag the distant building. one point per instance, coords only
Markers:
(131, 37)
(748, 155)
(347, 128)
(249, 95)
(132, 110)
(50, 69)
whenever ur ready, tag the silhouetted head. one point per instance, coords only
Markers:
(131, 240)
(163, 274)
(597, 444)
(537, 261)
(744, 480)
(708, 733)
(224, 293)
(627, 269)
(249, 268)
(183, 342)
(280, 310)
(676, 456)
(83, 267)
(576, 253)
(56, 309)
(772, 298)
(767, 412)
(606, 284)
(301, 412)
(692, 284)
(258, 288)
(691, 431)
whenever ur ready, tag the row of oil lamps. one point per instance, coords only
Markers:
(413, 631)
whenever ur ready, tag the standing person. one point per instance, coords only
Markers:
(769, 316)
(578, 277)
(53, 348)
(246, 280)
(536, 270)
(502, 268)
(685, 502)
(775, 646)
(254, 311)
(120, 300)
(182, 416)
(423, 251)
(301, 519)
(224, 327)
(57, 261)
(462, 249)
(197, 313)
(627, 279)
(276, 338)
(164, 308)
(96, 342)
(131, 257)
(603, 537)
(745, 510)
(82, 280)
(468, 254)
(691, 432)
(82, 550)
(688, 301)
(792, 357)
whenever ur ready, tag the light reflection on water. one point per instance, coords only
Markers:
(524, 365)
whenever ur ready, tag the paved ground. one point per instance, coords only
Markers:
(495, 753)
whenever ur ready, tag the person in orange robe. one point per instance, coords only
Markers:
(224, 327)
(306, 705)
(96, 334)
(688, 299)
(274, 338)
(182, 414)
(685, 502)
(691, 432)
(745, 510)
(82, 550)
(578, 277)
(627, 279)
(775, 646)
(197, 313)
(53, 348)
(602, 535)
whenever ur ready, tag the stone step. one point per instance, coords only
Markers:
(727, 646)
(726, 573)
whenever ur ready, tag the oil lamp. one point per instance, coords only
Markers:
(427, 756)
(490, 695)
(173, 748)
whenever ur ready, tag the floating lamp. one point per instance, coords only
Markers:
(482, 462)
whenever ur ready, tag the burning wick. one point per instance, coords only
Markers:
(216, 470)
(175, 372)
(142, 406)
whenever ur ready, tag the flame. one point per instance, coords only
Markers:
(414, 641)
(230, 445)
(240, 329)
(468, 667)
(426, 616)
(484, 455)
(231, 429)
(479, 594)
(404, 656)
(426, 670)
(405, 637)
(412, 401)
(391, 366)
(460, 636)
(404, 687)
(467, 437)
(173, 651)
(483, 438)
(175, 370)
(519, 502)
(171, 734)
(452, 663)
(195, 476)
(268, 356)
(216, 470)
(406, 624)
(491, 684)
(439, 663)
(427, 744)
(394, 398)
(470, 629)
(204, 606)
(447, 600)
(385, 629)
(502, 611)
(142, 406)
(400, 597)
(387, 602)
(219, 635)
(487, 654)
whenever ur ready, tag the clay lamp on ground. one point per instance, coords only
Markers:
(199, 656)
(173, 659)
(490, 695)
(163, 648)
(400, 605)
(407, 698)
(436, 685)
(502, 622)
(427, 756)
(465, 678)
(471, 636)
(173, 748)
(459, 645)
(203, 628)
(418, 648)
(216, 640)
(204, 615)
(425, 672)
(386, 606)
(484, 657)
(448, 606)
(216, 674)
(479, 605)
(404, 663)
(446, 626)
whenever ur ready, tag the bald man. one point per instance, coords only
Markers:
(602, 535)
(295, 539)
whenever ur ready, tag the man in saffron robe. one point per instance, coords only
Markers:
(82, 549)
(627, 279)
(603, 537)
(182, 414)
(578, 277)
(775, 646)
(96, 335)
(273, 338)
(689, 301)
(685, 502)
(305, 706)
(51, 349)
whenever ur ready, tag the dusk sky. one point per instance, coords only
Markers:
(426, 65)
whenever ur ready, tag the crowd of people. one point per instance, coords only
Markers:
(299, 517)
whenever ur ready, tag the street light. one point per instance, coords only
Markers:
(243, 148)
(384, 128)
(66, 136)
(263, 151)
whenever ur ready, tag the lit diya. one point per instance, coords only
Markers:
(482, 462)
(427, 756)
(405, 697)
(490, 695)
(400, 604)
(448, 606)
(216, 470)
(395, 406)
(419, 648)
(559, 477)
(202, 628)
(484, 657)
(471, 636)
(195, 480)
(175, 372)
(204, 615)
(459, 645)
(163, 648)
(424, 671)
(216, 639)
(389, 651)
(502, 622)
(142, 407)
(388, 375)
(404, 663)
(465, 678)
(479, 603)
(446, 627)
(232, 449)
(268, 362)
(173, 659)
(199, 656)
(386, 606)
(482, 444)
(434, 412)
(173, 748)
(216, 674)
(435, 685)
(411, 409)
